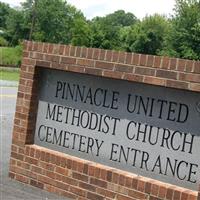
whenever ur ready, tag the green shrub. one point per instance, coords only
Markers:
(3, 42)
(10, 55)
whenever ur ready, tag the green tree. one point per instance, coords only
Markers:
(148, 36)
(185, 36)
(106, 30)
(4, 12)
(16, 26)
(48, 21)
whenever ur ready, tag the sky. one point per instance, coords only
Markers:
(140, 8)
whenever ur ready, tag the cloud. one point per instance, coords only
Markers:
(140, 8)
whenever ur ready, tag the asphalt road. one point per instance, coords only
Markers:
(11, 189)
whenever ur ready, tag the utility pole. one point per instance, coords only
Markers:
(33, 19)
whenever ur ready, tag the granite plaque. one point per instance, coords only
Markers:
(148, 130)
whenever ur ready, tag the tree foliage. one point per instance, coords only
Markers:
(185, 36)
(4, 12)
(148, 35)
(57, 21)
(106, 30)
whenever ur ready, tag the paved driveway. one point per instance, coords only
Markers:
(11, 189)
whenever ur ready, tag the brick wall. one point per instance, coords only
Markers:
(77, 178)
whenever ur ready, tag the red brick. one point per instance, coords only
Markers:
(17, 156)
(133, 77)
(109, 176)
(177, 195)
(108, 55)
(31, 160)
(154, 189)
(122, 180)
(128, 58)
(173, 64)
(25, 54)
(150, 61)
(181, 65)
(45, 48)
(157, 62)
(89, 53)
(106, 193)
(122, 57)
(36, 184)
(154, 80)
(165, 63)
(192, 197)
(37, 169)
(189, 66)
(189, 77)
(21, 178)
(85, 168)
(135, 59)
(69, 180)
(61, 185)
(43, 63)
(85, 62)
(141, 185)
(76, 69)
(144, 71)
(72, 51)
(77, 191)
(102, 54)
(98, 182)
(94, 196)
(35, 46)
(148, 186)
(80, 167)
(28, 61)
(68, 60)
(50, 174)
(115, 56)
(50, 48)
(104, 65)
(143, 60)
(103, 174)
(52, 58)
(124, 68)
(84, 52)
(61, 170)
(80, 177)
(135, 183)
(195, 87)
(122, 197)
(67, 50)
(112, 74)
(197, 67)
(177, 84)
(162, 192)
(25, 45)
(96, 53)
(61, 49)
(166, 74)
(87, 186)
(137, 195)
(184, 195)
(93, 71)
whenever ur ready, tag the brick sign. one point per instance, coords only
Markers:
(147, 130)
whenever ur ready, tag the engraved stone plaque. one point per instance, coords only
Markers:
(148, 130)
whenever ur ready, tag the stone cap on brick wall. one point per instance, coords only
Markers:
(155, 70)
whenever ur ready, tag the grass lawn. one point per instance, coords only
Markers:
(9, 75)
